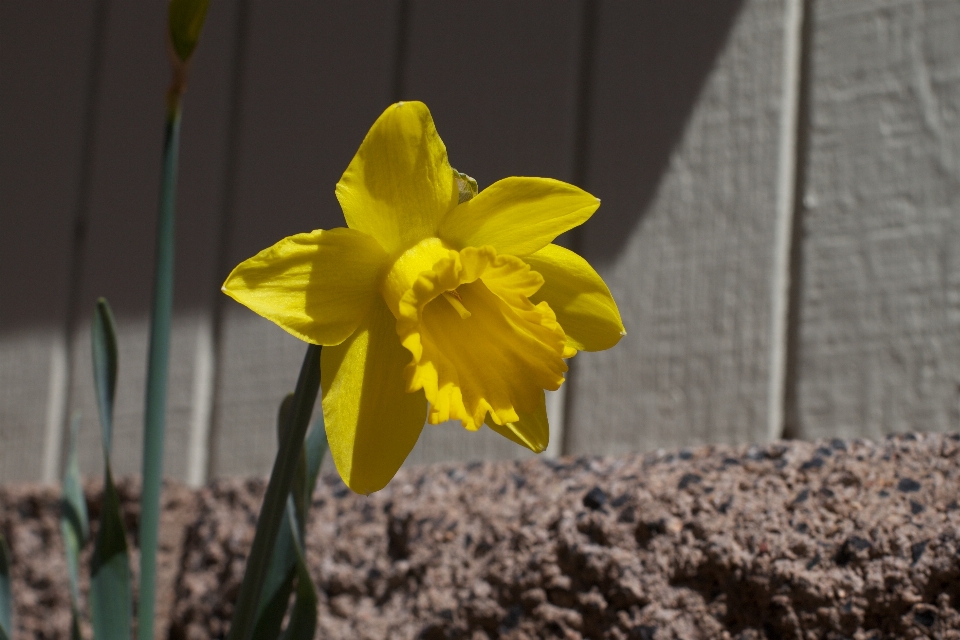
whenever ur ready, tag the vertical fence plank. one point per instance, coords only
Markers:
(317, 75)
(118, 256)
(879, 335)
(501, 81)
(44, 80)
(683, 152)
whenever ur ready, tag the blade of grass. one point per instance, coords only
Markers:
(6, 594)
(275, 501)
(74, 524)
(111, 596)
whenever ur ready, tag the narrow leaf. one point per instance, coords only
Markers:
(104, 342)
(111, 598)
(279, 583)
(6, 594)
(275, 502)
(303, 617)
(74, 524)
(315, 448)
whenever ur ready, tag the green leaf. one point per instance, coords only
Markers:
(279, 583)
(111, 597)
(277, 497)
(104, 342)
(316, 448)
(6, 594)
(74, 524)
(186, 22)
(303, 617)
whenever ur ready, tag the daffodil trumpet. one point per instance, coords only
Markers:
(436, 302)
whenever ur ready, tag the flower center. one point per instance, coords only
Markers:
(484, 348)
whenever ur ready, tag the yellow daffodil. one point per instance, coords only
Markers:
(433, 293)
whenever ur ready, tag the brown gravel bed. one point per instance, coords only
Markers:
(790, 540)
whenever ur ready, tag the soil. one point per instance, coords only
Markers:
(834, 539)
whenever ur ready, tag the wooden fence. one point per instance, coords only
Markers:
(780, 221)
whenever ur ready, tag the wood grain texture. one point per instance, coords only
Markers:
(44, 77)
(683, 153)
(119, 244)
(317, 75)
(879, 338)
(502, 85)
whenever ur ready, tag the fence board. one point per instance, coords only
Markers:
(317, 75)
(880, 310)
(683, 152)
(46, 53)
(120, 239)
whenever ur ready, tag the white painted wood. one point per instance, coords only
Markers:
(119, 245)
(684, 135)
(880, 311)
(44, 72)
(317, 75)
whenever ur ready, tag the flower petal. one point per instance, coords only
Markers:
(518, 216)
(576, 293)
(531, 431)
(372, 422)
(317, 286)
(400, 184)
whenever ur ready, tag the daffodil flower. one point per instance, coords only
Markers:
(434, 295)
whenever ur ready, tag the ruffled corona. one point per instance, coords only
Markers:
(478, 344)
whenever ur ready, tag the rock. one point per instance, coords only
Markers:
(758, 546)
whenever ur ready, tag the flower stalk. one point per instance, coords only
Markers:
(275, 501)
(186, 18)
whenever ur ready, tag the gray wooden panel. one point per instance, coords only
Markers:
(119, 249)
(879, 335)
(317, 75)
(501, 80)
(683, 153)
(45, 52)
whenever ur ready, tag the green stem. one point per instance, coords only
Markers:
(158, 359)
(275, 501)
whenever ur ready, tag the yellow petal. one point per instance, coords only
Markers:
(531, 431)
(494, 351)
(400, 184)
(372, 422)
(518, 216)
(317, 286)
(579, 297)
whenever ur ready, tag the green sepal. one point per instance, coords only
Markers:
(466, 186)
(186, 23)
(6, 593)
